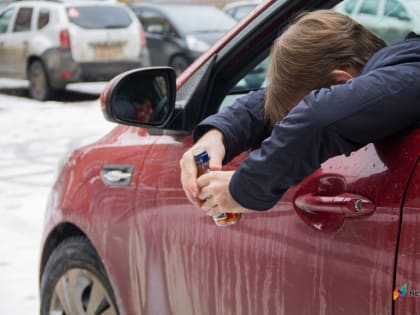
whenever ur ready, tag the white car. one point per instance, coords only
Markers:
(390, 19)
(240, 9)
(3, 3)
(52, 43)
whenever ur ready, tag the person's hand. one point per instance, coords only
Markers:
(212, 141)
(214, 193)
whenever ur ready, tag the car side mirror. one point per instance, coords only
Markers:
(142, 97)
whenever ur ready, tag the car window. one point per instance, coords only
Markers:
(23, 20)
(43, 18)
(97, 17)
(386, 28)
(349, 6)
(5, 18)
(253, 80)
(395, 9)
(231, 11)
(200, 19)
(369, 7)
(151, 19)
(243, 11)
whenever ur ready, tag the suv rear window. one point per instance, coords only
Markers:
(96, 17)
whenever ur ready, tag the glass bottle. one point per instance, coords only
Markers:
(202, 159)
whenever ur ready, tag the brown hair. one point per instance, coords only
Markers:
(303, 57)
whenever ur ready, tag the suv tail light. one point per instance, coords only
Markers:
(143, 41)
(65, 39)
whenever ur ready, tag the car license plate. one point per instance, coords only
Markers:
(108, 51)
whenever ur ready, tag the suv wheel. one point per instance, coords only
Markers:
(179, 63)
(74, 281)
(39, 86)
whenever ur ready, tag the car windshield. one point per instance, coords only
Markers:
(97, 17)
(201, 19)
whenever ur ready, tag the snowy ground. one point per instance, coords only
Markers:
(34, 138)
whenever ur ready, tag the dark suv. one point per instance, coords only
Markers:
(180, 32)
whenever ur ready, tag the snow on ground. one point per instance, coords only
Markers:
(35, 137)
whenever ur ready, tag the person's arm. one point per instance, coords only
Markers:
(233, 130)
(242, 124)
(212, 142)
(327, 123)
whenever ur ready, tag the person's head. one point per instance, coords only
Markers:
(317, 50)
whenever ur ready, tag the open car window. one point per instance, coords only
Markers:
(391, 20)
(254, 80)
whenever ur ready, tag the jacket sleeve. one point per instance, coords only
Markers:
(326, 123)
(242, 124)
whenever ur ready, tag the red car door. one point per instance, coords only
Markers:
(407, 285)
(327, 247)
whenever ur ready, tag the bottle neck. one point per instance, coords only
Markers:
(202, 168)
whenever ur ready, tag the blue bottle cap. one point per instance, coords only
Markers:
(201, 155)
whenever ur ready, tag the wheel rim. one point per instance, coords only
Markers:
(179, 64)
(79, 291)
(38, 82)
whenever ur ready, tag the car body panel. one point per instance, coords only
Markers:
(112, 209)
(18, 49)
(161, 230)
(164, 256)
(248, 265)
(408, 272)
(96, 44)
(173, 46)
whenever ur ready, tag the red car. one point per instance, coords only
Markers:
(122, 238)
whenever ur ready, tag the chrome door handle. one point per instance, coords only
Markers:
(117, 175)
(350, 205)
(328, 213)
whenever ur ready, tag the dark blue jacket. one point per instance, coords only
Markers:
(383, 100)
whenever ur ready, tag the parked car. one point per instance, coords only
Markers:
(390, 19)
(3, 3)
(240, 9)
(178, 33)
(121, 237)
(53, 43)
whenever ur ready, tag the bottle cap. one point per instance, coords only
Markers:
(200, 155)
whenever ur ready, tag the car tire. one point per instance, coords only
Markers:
(39, 84)
(179, 63)
(74, 281)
